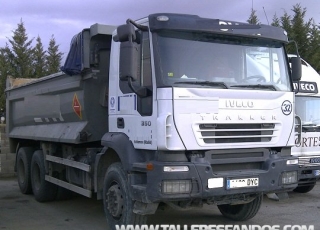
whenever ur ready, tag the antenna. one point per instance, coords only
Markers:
(251, 11)
(265, 15)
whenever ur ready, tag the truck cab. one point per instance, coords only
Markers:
(231, 126)
(170, 109)
(307, 147)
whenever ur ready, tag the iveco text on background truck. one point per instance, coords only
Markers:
(141, 117)
(307, 147)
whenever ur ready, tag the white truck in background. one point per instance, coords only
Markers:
(307, 147)
(137, 120)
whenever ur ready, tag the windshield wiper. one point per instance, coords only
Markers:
(256, 86)
(210, 83)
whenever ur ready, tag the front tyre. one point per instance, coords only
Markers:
(241, 212)
(117, 202)
(43, 190)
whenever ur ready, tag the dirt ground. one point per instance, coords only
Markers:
(22, 212)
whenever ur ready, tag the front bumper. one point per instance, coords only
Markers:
(196, 182)
(309, 171)
(307, 175)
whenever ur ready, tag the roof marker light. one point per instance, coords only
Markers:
(163, 18)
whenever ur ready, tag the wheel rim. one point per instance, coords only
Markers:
(114, 200)
(21, 171)
(36, 177)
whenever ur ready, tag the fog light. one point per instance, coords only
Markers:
(293, 162)
(176, 186)
(175, 168)
(316, 172)
(289, 177)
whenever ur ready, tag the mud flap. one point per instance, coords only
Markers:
(278, 196)
(145, 209)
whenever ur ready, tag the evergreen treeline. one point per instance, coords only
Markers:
(305, 32)
(19, 59)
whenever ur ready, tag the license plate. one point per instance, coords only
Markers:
(315, 160)
(242, 183)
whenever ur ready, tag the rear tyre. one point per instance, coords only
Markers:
(304, 188)
(117, 202)
(241, 212)
(24, 169)
(43, 190)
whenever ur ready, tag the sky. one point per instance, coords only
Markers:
(65, 18)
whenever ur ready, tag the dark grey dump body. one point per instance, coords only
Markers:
(44, 110)
(63, 108)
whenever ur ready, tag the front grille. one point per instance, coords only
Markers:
(236, 133)
(236, 160)
(237, 166)
(309, 161)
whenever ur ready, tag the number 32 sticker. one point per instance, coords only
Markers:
(286, 107)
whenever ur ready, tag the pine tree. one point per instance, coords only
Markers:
(285, 20)
(5, 70)
(39, 60)
(6, 57)
(21, 60)
(313, 52)
(54, 57)
(253, 18)
(300, 29)
(3, 76)
(305, 33)
(22, 53)
(276, 21)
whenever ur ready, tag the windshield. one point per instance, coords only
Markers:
(192, 59)
(307, 108)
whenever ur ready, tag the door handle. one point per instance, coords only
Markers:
(120, 123)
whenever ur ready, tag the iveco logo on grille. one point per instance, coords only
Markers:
(239, 104)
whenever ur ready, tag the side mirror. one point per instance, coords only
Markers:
(296, 68)
(129, 52)
(298, 129)
(125, 33)
(129, 60)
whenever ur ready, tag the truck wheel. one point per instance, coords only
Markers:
(42, 189)
(23, 169)
(241, 212)
(304, 188)
(117, 202)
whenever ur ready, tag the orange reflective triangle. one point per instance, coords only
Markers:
(76, 106)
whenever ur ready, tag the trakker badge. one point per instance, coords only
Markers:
(76, 106)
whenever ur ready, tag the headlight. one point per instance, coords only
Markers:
(293, 162)
(176, 186)
(175, 168)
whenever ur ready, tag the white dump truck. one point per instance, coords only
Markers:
(140, 116)
(307, 109)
